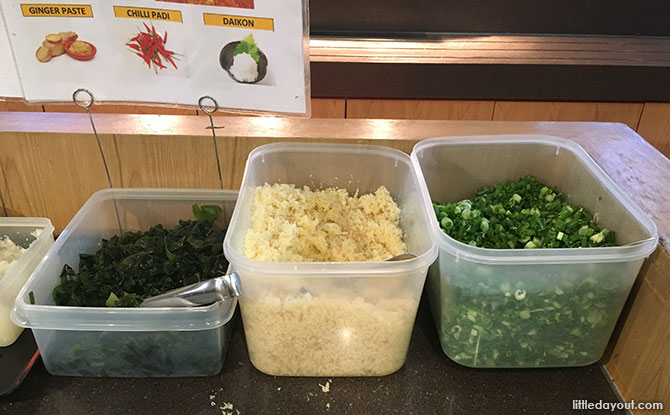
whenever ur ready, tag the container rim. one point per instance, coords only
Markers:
(47, 229)
(328, 269)
(464, 251)
(50, 317)
(383, 151)
(126, 319)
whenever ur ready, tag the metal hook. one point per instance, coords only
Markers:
(86, 105)
(209, 113)
(204, 109)
(83, 104)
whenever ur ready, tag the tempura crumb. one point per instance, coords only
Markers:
(290, 224)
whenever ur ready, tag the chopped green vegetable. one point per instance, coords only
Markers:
(522, 315)
(111, 300)
(564, 314)
(31, 296)
(521, 214)
(248, 45)
(137, 265)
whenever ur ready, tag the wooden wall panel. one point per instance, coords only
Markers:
(19, 106)
(2, 180)
(568, 111)
(120, 109)
(328, 108)
(49, 175)
(640, 361)
(321, 108)
(420, 109)
(160, 161)
(222, 113)
(655, 126)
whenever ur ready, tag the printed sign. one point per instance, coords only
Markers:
(239, 21)
(56, 10)
(10, 86)
(151, 14)
(249, 55)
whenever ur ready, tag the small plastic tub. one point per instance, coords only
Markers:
(528, 307)
(125, 342)
(325, 318)
(21, 231)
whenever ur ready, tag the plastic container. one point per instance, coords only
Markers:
(529, 307)
(21, 232)
(125, 342)
(331, 319)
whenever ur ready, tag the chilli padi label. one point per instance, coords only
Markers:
(259, 23)
(57, 10)
(145, 13)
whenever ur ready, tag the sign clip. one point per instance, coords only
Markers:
(209, 110)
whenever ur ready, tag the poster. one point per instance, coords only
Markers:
(10, 87)
(248, 54)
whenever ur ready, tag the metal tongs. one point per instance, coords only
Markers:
(211, 291)
(200, 293)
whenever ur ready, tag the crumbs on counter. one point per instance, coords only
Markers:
(325, 388)
(228, 408)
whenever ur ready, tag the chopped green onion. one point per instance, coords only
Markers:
(536, 216)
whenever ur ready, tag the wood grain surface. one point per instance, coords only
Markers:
(17, 105)
(628, 114)
(155, 161)
(120, 109)
(49, 175)
(419, 109)
(640, 360)
(655, 126)
(321, 108)
(328, 108)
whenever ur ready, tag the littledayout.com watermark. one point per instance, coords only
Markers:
(613, 406)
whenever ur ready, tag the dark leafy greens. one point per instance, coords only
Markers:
(139, 354)
(521, 214)
(137, 265)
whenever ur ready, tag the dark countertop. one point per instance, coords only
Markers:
(429, 383)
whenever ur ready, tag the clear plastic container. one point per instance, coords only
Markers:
(125, 342)
(21, 231)
(331, 319)
(534, 307)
